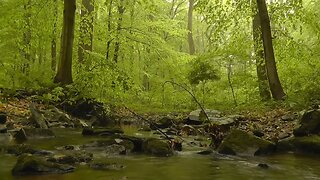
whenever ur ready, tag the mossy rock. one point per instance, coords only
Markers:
(72, 158)
(309, 124)
(19, 149)
(240, 142)
(131, 140)
(306, 144)
(157, 147)
(31, 165)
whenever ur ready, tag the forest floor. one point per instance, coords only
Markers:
(272, 125)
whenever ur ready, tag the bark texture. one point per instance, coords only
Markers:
(259, 57)
(274, 82)
(64, 74)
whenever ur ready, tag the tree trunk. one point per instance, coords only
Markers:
(86, 29)
(121, 10)
(54, 38)
(190, 38)
(27, 37)
(64, 74)
(274, 82)
(259, 56)
(109, 29)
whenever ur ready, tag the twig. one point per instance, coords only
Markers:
(149, 122)
(192, 95)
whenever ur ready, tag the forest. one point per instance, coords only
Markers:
(106, 89)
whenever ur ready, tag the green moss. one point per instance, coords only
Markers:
(241, 142)
(29, 165)
(157, 147)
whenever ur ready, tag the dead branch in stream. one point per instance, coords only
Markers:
(149, 122)
(191, 94)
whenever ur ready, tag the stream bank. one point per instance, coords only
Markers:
(98, 141)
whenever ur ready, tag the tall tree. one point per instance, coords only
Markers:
(64, 73)
(109, 28)
(259, 56)
(54, 37)
(190, 37)
(121, 10)
(274, 82)
(26, 51)
(86, 29)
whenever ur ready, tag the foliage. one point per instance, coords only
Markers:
(153, 49)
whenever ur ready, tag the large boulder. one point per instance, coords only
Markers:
(240, 142)
(111, 146)
(37, 118)
(309, 123)
(197, 117)
(164, 122)
(85, 108)
(157, 147)
(31, 165)
(306, 144)
(72, 158)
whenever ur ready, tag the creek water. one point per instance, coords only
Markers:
(185, 165)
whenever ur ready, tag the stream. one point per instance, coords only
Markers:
(185, 165)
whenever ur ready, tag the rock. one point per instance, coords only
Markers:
(222, 120)
(157, 147)
(37, 118)
(31, 165)
(263, 165)
(135, 143)
(188, 130)
(20, 149)
(306, 144)
(240, 142)
(309, 124)
(111, 146)
(164, 122)
(258, 133)
(106, 166)
(33, 133)
(3, 129)
(87, 131)
(196, 117)
(3, 118)
(72, 158)
(288, 117)
(115, 149)
(284, 135)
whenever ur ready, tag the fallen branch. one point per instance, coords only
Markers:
(191, 94)
(150, 123)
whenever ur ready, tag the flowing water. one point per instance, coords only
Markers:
(186, 165)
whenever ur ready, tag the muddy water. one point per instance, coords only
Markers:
(186, 165)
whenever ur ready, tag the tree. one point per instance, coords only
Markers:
(274, 82)
(54, 37)
(26, 51)
(121, 10)
(109, 28)
(259, 55)
(86, 29)
(64, 73)
(190, 37)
